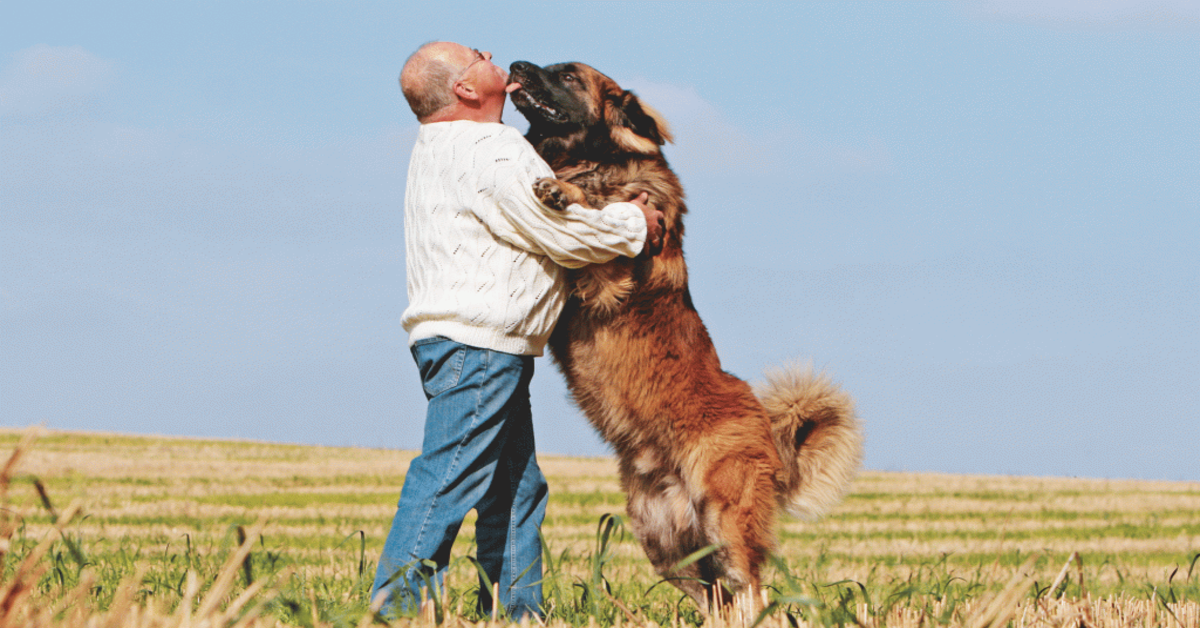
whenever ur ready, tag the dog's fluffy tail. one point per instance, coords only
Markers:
(818, 437)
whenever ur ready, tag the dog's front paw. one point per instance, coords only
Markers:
(551, 193)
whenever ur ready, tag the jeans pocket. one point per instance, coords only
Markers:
(440, 370)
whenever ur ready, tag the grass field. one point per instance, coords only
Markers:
(103, 529)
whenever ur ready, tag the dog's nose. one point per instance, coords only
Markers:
(520, 66)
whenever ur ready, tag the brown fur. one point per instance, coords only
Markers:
(704, 459)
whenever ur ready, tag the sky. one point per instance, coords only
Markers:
(982, 219)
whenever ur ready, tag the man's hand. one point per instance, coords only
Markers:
(656, 226)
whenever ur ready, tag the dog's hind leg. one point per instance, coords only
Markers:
(742, 517)
(696, 579)
(667, 524)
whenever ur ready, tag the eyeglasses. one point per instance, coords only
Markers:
(479, 56)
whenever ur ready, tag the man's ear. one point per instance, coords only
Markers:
(634, 126)
(464, 91)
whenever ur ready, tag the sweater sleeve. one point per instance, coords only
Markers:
(572, 238)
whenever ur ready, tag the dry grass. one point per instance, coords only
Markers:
(141, 531)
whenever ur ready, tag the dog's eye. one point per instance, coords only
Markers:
(570, 78)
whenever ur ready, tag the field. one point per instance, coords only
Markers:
(103, 529)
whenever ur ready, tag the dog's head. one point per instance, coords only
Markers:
(575, 105)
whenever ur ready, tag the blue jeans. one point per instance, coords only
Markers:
(478, 453)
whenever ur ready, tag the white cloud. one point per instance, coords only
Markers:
(1096, 13)
(702, 134)
(44, 78)
(706, 140)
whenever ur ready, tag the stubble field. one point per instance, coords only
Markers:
(102, 529)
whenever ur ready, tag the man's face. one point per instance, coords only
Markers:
(488, 79)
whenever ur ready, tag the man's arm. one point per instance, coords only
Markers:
(558, 195)
(574, 237)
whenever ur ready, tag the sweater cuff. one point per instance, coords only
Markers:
(627, 218)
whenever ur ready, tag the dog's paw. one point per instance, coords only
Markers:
(551, 193)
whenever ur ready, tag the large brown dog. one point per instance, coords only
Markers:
(703, 458)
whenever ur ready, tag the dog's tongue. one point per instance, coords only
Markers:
(512, 87)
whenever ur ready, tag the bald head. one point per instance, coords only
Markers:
(427, 79)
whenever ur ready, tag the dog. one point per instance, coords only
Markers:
(705, 460)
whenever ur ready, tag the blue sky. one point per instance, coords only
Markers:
(982, 218)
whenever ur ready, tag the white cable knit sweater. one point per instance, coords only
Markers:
(485, 259)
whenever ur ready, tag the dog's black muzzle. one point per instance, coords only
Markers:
(533, 99)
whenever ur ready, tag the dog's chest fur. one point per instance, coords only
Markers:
(603, 288)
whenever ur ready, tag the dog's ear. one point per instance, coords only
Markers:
(635, 127)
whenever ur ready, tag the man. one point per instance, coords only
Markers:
(485, 264)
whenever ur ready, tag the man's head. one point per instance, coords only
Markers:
(447, 81)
